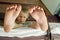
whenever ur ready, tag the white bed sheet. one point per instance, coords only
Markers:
(55, 28)
(27, 32)
(22, 32)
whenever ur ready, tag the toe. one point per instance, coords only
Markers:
(19, 7)
(31, 9)
(42, 9)
(8, 8)
(10, 11)
(17, 11)
(39, 8)
(15, 6)
(11, 7)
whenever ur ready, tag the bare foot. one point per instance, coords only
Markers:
(10, 17)
(39, 15)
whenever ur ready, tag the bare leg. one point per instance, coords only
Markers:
(10, 17)
(39, 15)
(34, 25)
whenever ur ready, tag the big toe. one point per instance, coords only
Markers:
(17, 11)
(41, 9)
(31, 9)
(19, 7)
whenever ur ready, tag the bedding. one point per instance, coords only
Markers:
(27, 32)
